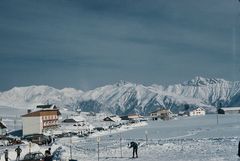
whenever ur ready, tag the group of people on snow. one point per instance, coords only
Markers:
(18, 150)
(48, 156)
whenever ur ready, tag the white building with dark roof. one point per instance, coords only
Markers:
(197, 112)
(39, 121)
(164, 114)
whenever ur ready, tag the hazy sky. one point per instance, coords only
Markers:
(88, 43)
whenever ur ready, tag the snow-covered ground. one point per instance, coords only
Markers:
(182, 139)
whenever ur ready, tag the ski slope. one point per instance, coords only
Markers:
(182, 139)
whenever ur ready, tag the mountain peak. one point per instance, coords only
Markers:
(201, 81)
(122, 83)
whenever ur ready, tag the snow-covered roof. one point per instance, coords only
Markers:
(135, 116)
(45, 106)
(230, 108)
(112, 118)
(198, 109)
(42, 113)
(2, 125)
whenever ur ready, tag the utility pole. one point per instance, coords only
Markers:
(30, 146)
(146, 135)
(15, 122)
(98, 141)
(70, 146)
(121, 144)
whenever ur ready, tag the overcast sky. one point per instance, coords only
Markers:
(89, 43)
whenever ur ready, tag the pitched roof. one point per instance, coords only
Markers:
(2, 126)
(133, 116)
(162, 109)
(69, 121)
(197, 108)
(42, 113)
(108, 119)
(112, 118)
(46, 106)
(230, 108)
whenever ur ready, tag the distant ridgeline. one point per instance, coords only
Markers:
(125, 97)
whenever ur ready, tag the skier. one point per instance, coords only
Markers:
(6, 155)
(134, 145)
(239, 149)
(18, 150)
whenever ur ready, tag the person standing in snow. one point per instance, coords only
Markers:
(239, 149)
(48, 156)
(134, 145)
(49, 149)
(18, 150)
(6, 155)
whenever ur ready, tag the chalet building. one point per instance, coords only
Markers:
(135, 116)
(114, 118)
(229, 110)
(164, 114)
(3, 129)
(197, 112)
(40, 121)
(132, 117)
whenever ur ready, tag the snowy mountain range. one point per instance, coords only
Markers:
(125, 97)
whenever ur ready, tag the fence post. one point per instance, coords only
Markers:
(121, 144)
(98, 140)
(146, 135)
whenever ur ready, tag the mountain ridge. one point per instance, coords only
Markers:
(125, 97)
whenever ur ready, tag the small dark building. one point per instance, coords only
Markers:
(114, 118)
(69, 121)
(108, 119)
(164, 114)
(229, 110)
(124, 117)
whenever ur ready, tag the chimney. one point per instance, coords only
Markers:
(29, 111)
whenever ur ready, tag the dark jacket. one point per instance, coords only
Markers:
(48, 158)
(239, 149)
(133, 145)
(18, 150)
